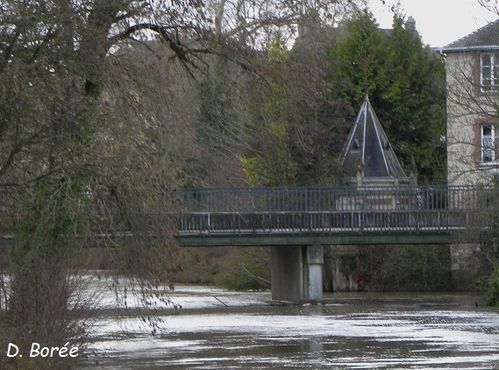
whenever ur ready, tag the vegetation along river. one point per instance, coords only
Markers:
(219, 329)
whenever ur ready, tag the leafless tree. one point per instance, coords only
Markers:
(69, 166)
(93, 145)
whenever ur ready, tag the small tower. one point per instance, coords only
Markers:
(368, 157)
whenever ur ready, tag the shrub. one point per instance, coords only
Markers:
(248, 269)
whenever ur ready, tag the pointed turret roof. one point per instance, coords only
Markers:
(368, 150)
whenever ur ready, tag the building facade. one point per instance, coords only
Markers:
(472, 66)
(472, 69)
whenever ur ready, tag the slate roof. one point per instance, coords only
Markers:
(485, 38)
(368, 149)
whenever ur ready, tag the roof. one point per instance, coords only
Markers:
(485, 38)
(368, 149)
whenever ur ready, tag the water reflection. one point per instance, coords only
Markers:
(354, 331)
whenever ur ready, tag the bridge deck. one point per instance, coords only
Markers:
(276, 239)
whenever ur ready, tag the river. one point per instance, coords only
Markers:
(218, 329)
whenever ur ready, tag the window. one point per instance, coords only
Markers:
(487, 144)
(489, 72)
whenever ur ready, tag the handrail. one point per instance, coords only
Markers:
(337, 198)
(329, 210)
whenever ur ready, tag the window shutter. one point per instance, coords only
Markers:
(477, 145)
(476, 72)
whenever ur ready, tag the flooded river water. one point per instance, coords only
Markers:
(217, 329)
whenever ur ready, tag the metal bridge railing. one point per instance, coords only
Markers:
(329, 198)
(330, 209)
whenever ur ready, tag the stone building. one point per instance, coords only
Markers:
(472, 66)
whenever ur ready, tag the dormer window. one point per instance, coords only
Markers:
(489, 72)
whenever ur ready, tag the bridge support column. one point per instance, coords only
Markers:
(312, 271)
(287, 273)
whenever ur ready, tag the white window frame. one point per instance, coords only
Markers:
(493, 145)
(494, 69)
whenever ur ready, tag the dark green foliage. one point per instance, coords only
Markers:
(245, 273)
(359, 61)
(298, 125)
(405, 82)
(405, 268)
(245, 269)
(232, 268)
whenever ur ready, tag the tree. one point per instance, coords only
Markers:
(257, 23)
(490, 5)
(67, 168)
(246, 111)
(298, 122)
(313, 96)
(405, 83)
(221, 120)
(359, 59)
(268, 160)
(85, 149)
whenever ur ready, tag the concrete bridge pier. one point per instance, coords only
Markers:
(287, 273)
(297, 273)
(313, 256)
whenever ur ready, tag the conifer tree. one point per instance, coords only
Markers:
(405, 83)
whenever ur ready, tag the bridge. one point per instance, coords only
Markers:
(297, 222)
(327, 215)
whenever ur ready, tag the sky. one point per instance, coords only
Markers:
(439, 22)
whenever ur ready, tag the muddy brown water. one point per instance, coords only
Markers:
(217, 329)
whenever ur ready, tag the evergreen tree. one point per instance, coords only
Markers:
(413, 102)
(359, 60)
(405, 83)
